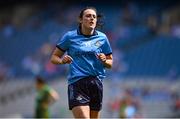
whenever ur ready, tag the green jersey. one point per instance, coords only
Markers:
(42, 103)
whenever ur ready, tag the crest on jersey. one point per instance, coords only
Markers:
(98, 43)
(79, 98)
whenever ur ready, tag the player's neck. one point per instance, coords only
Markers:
(87, 31)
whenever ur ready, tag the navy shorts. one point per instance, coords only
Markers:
(86, 91)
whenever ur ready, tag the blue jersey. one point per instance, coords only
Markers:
(84, 50)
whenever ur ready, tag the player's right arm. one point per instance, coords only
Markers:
(58, 58)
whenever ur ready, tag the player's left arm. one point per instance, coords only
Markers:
(54, 96)
(107, 60)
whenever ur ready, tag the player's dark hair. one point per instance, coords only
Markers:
(99, 17)
(40, 80)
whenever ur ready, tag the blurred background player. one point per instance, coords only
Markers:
(45, 97)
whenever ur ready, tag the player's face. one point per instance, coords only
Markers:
(38, 86)
(89, 19)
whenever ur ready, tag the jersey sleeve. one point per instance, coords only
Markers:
(63, 43)
(106, 48)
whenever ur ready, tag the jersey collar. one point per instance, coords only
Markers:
(80, 33)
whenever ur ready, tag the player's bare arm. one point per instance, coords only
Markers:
(106, 59)
(58, 58)
(54, 96)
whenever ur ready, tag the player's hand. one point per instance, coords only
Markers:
(102, 57)
(67, 59)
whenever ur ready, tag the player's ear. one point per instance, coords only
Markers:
(80, 20)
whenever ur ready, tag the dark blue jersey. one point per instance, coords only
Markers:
(84, 50)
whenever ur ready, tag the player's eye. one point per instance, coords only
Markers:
(94, 16)
(90, 15)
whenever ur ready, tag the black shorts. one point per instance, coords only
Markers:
(86, 91)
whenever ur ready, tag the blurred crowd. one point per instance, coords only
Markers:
(26, 21)
(130, 21)
(131, 102)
